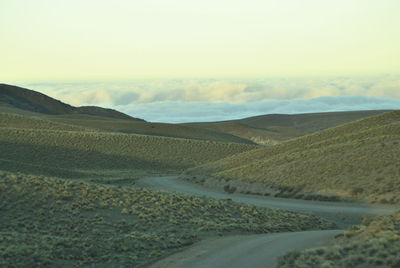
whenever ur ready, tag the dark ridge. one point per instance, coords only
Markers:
(33, 101)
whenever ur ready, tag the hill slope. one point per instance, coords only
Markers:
(33, 101)
(357, 160)
(17, 100)
(30, 122)
(68, 152)
(147, 128)
(374, 243)
(50, 222)
(273, 128)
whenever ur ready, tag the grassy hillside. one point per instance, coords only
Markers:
(274, 128)
(375, 243)
(17, 100)
(103, 124)
(265, 129)
(18, 121)
(266, 136)
(69, 153)
(356, 160)
(147, 128)
(49, 222)
(33, 101)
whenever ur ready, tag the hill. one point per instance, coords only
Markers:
(31, 122)
(273, 128)
(69, 151)
(50, 222)
(32, 101)
(356, 160)
(84, 217)
(374, 243)
(17, 100)
(146, 128)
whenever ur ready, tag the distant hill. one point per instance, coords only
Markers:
(356, 160)
(147, 128)
(273, 128)
(33, 101)
(67, 151)
(264, 129)
(49, 112)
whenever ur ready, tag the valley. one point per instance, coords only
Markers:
(92, 187)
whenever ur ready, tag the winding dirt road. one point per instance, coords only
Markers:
(257, 250)
(244, 250)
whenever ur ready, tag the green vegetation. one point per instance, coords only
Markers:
(274, 128)
(375, 243)
(63, 153)
(147, 128)
(55, 222)
(66, 174)
(34, 145)
(359, 160)
(19, 121)
(38, 106)
(265, 136)
(101, 124)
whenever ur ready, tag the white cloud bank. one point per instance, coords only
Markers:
(212, 100)
(178, 112)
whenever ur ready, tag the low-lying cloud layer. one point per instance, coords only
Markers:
(212, 100)
(177, 112)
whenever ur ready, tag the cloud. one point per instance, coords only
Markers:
(211, 99)
(231, 91)
(179, 112)
(125, 98)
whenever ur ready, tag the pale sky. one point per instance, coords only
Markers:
(105, 40)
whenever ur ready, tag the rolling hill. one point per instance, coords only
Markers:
(66, 175)
(274, 128)
(17, 100)
(67, 151)
(66, 195)
(33, 122)
(357, 160)
(48, 137)
(147, 128)
(22, 99)
(264, 129)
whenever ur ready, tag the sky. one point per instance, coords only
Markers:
(93, 40)
(187, 60)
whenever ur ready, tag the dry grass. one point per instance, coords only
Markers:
(100, 124)
(50, 222)
(265, 136)
(274, 128)
(357, 160)
(147, 128)
(19, 121)
(69, 153)
(375, 243)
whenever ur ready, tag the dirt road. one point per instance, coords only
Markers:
(240, 251)
(261, 250)
(343, 214)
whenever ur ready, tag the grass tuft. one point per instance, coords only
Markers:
(50, 222)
